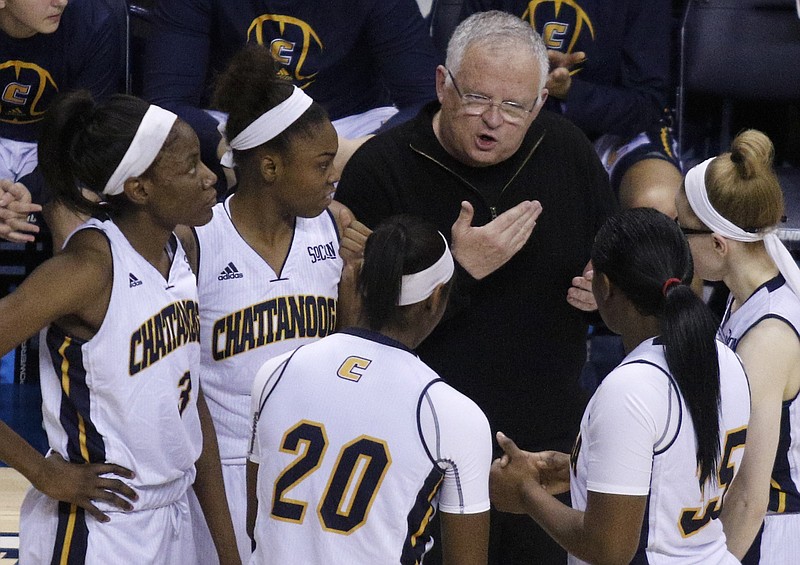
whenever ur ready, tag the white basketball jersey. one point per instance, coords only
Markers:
(774, 299)
(357, 442)
(249, 313)
(637, 439)
(128, 395)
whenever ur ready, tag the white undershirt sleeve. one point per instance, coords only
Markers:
(457, 435)
(628, 418)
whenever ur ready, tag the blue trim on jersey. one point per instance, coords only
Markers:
(377, 337)
(72, 536)
(333, 221)
(674, 385)
(787, 495)
(771, 285)
(423, 395)
(283, 367)
(84, 443)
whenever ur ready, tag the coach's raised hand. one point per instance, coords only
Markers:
(482, 250)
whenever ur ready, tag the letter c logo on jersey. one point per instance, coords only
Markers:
(561, 23)
(353, 368)
(28, 90)
(294, 44)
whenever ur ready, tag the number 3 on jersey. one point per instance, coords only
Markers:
(355, 480)
(692, 520)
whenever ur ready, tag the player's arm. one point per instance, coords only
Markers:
(768, 352)
(352, 233)
(353, 238)
(465, 538)
(210, 490)
(463, 440)
(74, 288)
(607, 532)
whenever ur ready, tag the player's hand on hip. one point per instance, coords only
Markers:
(15, 207)
(482, 250)
(83, 484)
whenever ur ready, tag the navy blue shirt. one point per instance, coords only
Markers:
(349, 55)
(622, 87)
(84, 52)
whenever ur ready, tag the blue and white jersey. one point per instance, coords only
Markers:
(358, 442)
(773, 299)
(128, 395)
(249, 313)
(637, 439)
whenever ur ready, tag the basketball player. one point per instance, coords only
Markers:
(121, 354)
(269, 260)
(356, 441)
(662, 437)
(730, 206)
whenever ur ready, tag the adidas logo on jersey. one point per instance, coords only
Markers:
(133, 281)
(230, 272)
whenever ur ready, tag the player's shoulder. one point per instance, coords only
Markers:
(443, 398)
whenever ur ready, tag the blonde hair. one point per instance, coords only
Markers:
(741, 184)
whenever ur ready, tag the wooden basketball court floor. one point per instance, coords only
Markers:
(12, 490)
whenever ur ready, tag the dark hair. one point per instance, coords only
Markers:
(250, 87)
(639, 250)
(83, 142)
(400, 245)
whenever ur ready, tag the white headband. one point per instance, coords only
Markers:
(697, 195)
(419, 286)
(148, 141)
(269, 125)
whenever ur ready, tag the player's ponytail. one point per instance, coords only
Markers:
(400, 245)
(82, 143)
(645, 255)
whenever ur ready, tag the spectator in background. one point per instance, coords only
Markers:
(610, 75)
(368, 63)
(482, 154)
(46, 47)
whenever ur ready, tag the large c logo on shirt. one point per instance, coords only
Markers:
(291, 41)
(560, 22)
(27, 91)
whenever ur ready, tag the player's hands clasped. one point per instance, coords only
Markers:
(15, 206)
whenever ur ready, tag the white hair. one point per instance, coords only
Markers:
(499, 29)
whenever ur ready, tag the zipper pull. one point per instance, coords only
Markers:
(493, 210)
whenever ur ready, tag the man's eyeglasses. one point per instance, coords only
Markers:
(477, 104)
(693, 231)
